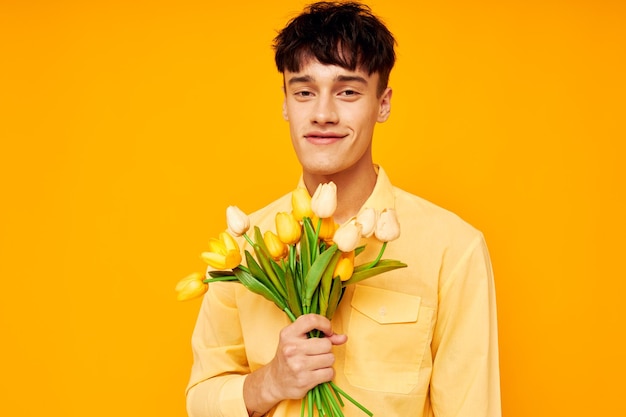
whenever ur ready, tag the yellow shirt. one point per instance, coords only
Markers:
(422, 340)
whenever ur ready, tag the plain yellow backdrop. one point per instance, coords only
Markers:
(127, 127)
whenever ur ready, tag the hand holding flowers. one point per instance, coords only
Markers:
(303, 268)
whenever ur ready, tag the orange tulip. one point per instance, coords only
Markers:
(301, 203)
(345, 266)
(191, 286)
(277, 249)
(288, 228)
(327, 231)
(223, 252)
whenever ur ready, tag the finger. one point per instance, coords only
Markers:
(309, 322)
(338, 339)
(317, 346)
(321, 361)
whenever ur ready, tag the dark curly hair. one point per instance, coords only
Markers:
(345, 34)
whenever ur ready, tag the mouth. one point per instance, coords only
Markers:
(323, 138)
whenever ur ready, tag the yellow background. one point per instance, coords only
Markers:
(127, 127)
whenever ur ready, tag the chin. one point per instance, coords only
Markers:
(325, 170)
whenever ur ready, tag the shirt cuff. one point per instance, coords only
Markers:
(231, 397)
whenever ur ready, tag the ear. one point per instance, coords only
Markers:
(385, 105)
(285, 116)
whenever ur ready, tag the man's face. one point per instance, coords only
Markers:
(332, 112)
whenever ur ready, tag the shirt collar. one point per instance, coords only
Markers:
(382, 196)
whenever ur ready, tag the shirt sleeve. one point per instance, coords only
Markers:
(219, 361)
(465, 380)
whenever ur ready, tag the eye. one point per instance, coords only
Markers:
(303, 93)
(349, 93)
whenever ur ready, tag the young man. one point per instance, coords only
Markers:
(418, 341)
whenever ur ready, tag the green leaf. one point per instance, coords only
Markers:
(326, 282)
(309, 231)
(384, 265)
(254, 285)
(358, 250)
(278, 270)
(258, 239)
(315, 308)
(217, 274)
(256, 270)
(293, 298)
(306, 246)
(218, 279)
(312, 279)
(336, 292)
(264, 260)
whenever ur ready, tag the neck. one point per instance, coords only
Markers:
(354, 186)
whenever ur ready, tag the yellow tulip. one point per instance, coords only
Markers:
(301, 203)
(327, 231)
(190, 287)
(277, 249)
(345, 266)
(288, 228)
(367, 219)
(223, 252)
(324, 200)
(238, 222)
(387, 226)
(348, 235)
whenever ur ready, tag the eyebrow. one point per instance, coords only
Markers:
(341, 78)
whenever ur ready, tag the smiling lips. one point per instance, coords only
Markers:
(323, 138)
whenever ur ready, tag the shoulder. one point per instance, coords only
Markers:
(425, 216)
(437, 242)
(436, 235)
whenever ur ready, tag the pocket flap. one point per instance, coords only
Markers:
(386, 306)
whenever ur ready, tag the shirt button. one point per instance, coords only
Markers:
(382, 311)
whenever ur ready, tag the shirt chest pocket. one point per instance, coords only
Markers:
(388, 336)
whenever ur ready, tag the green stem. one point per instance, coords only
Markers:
(317, 236)
(291, 316)
(331, 400)
(349, 398)
(248, 239)
(310, 401)
(318, 401)
(292, 259)
(216, 279)
(380, 255)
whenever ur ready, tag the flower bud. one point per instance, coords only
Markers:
(301, 203)
(348, 235)
(324, 200)
(190, 287)
(387, 226)
(288, 228)
(367, 219)
(277, 249)
(238, 222)
(328, 228)
(345, 266)
(223, 253)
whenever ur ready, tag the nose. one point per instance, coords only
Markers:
(325, 111)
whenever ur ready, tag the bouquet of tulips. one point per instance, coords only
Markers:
(302, 268)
